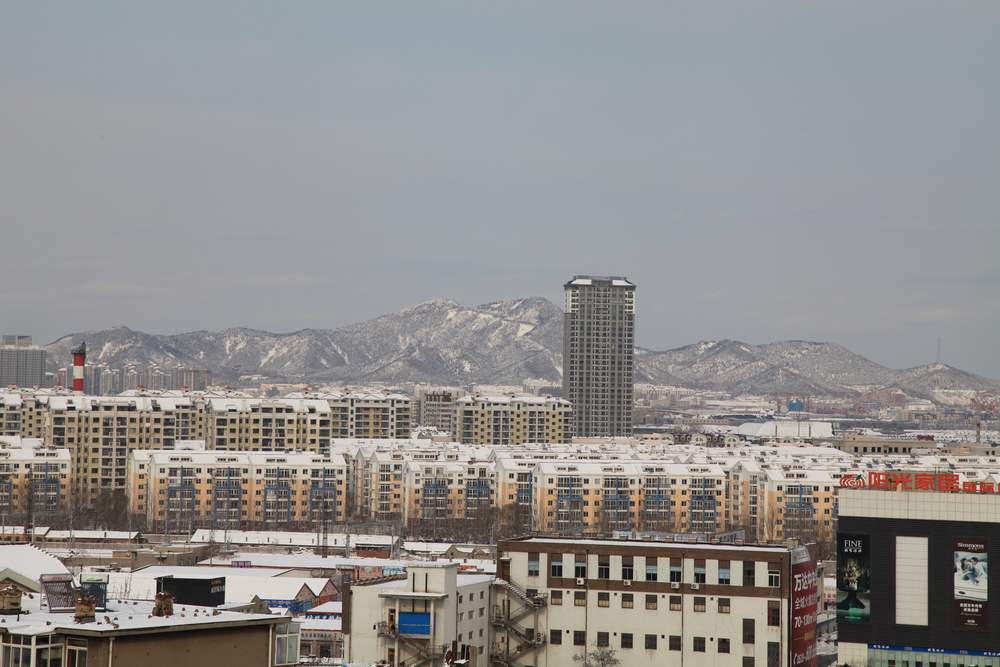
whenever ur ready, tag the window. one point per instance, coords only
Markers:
(532, 564)
(580, 566)
(603, 640)
(773, 612)
(626, 640)
(723, 645)
(579, 598)
(699, 604)
(675, 603)
(650, 602)
(699, 644)
(604, 567)
(723, 605)
(650, 571)
(699, 571)
(723, 572)
(48, 651)
(749, 568)
(604, 599)
(773, 654)
(286, 644)
(748, 661)
(749, 635)
(627, 602)
(555, 597)
(675, 571)
(627, 571)
(579, 637)
(76, 652)
(773, 575)
(555, 637)
(556, 565)
(651, 642)
(675, 642)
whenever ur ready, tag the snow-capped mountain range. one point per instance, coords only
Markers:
(502, 342)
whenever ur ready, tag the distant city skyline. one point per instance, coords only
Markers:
(768, 173)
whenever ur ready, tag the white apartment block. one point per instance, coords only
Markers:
(422, 617)
(436, 407)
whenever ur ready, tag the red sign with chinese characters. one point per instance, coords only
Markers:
(891, 480)
(803, 612)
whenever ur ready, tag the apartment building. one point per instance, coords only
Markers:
(598, 354)
(180, 491)
(436, 407)
(22, 363)
(21, 414)
(449, 496)
(600, 498)
(101, 431)
(33, 481)
(798, 503)
(428, 616)
(512, 420)
(652, 603)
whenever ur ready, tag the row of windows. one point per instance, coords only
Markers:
(674, 643)
(651, 602)
(724, 577)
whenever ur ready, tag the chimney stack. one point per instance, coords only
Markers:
(79, 361)
(164, 605)
(10, 600)
(85, 608)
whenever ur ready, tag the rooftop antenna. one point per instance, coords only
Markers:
(939, 349)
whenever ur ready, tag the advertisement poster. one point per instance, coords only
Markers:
(853, 578)
(971, 573)
(804, 600)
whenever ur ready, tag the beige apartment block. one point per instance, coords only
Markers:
(101, 432)
(449, 493)
(590, 498)
(33, 481)
(183, 490)
(513, 420)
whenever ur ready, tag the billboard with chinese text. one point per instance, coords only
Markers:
(971, 583)
(803, 644)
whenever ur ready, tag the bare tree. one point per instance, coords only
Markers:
(601, 656)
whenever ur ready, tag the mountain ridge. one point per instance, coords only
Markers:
(499, 342)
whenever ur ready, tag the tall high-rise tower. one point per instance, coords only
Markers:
(21, 362)
(598, 354)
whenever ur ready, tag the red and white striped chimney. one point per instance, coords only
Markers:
(79, 361)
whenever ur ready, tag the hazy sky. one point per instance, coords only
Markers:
(826, 171)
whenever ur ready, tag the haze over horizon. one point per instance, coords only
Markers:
(783, 172)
